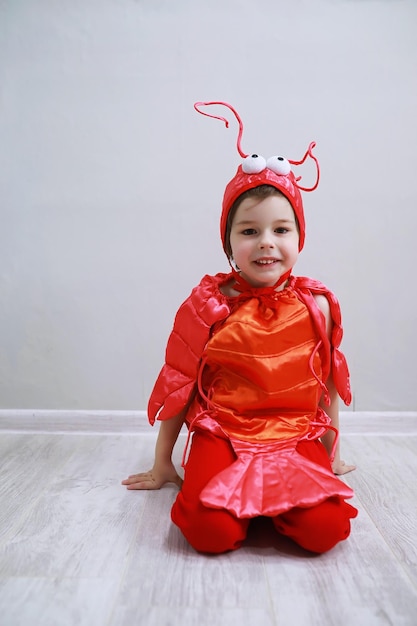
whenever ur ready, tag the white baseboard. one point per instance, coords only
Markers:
(136, 422)
(68, 421)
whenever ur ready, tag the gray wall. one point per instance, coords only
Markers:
(110, 183)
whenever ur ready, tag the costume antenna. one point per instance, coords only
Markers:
(223, 119)
(310, 154)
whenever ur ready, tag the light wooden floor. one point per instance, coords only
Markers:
(77, 549)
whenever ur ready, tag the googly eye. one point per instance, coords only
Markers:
(253, 164)
(279, 165)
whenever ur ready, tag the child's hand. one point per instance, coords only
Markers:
(153, 479)
(339, 467)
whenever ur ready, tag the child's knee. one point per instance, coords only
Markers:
(319, 528)
(207, 530)
(323, 530)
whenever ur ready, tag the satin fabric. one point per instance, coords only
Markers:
(258, 373)
(270, 479)
(200, 316)
(262, 384)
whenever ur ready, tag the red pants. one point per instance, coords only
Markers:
(317, 529)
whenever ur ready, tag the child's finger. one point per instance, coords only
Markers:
(134, 478)
(143, 485)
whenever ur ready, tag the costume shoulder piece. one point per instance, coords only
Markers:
(193, 322)
(307, 288)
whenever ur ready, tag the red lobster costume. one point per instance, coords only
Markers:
(251, 370)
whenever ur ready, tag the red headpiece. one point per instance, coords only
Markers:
(256, 171)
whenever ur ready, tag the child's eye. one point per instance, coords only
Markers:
(253, 164)
(249, 231)
(279, 165)
(281, 230)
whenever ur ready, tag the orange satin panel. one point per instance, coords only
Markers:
(257, 371)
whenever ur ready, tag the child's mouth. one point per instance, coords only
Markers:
(266, 261)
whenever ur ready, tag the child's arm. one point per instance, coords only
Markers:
(163, 470)
(339, 467)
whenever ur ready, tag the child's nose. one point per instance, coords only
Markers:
(266, 240)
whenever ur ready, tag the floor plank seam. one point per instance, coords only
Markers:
(274, 616)
(126, 568)
(374, 519)
(397, 558)
(25, 514)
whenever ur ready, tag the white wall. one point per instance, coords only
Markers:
(110, 183)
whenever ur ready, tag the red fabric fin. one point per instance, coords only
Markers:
(271, 480)
(192, 326)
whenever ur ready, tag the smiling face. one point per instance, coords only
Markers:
(264, 239)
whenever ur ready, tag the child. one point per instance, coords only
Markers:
(253, 369)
